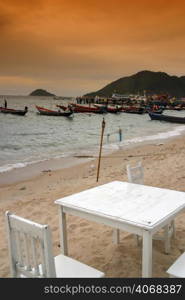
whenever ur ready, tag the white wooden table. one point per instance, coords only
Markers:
(134, 208)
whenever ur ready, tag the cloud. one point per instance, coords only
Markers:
(91, 42)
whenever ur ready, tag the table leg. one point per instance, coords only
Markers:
(167, 239)
(63, 231)
(147, 254)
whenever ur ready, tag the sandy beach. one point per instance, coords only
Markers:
(91, 243)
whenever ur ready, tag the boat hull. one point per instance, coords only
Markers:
(47, 112)
(133, 111)
(167, 118)
(87, 109)
(12, 111)
(108, 109)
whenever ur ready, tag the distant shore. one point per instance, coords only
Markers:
(33, 198)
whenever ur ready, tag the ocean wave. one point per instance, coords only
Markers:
(161, 135)
(17, 165)
(10, 167)
(92, 150)
(31, 134)
(10, 147)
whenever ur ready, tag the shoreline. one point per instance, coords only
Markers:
(90, 242)
(31, 170)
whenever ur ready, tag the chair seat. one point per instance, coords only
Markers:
(67, 267)
(177, 269)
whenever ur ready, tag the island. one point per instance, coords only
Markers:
(41, 92)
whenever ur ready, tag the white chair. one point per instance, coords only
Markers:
(136, 175)
(30, 251)
(177, 269)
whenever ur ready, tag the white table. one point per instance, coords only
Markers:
(134, 208)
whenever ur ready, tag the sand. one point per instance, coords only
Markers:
(89, 242)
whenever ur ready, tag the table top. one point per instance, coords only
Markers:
(141, 205)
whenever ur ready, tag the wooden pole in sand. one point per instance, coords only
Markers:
(101, 141)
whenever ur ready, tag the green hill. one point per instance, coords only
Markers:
(182, 79)
(151, 82)
(40, 92)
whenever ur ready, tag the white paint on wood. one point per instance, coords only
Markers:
(135, 208)
(26, 264)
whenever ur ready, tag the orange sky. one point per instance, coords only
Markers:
(77, 46)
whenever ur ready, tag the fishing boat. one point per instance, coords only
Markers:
(108, 108)
(49, 112)
(62, 107)
(12, 111)
(113, 110)
(156, 111)
(86, 109)
(133, 110)
(167, 118)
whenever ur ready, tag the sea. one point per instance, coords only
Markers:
(33, 138)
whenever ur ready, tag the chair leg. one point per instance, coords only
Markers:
(137, 239)
(116, 236)
(167, 239)
(173, 229)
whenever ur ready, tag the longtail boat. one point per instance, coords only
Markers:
(49, 112)
(109, 109)
(156, 111)
(86, 109)
(133, 110)
(167, 118)
(62, 107)
(113, 109)
(12, 111)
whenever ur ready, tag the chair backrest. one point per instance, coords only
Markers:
(30, 248)
(135, 174)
